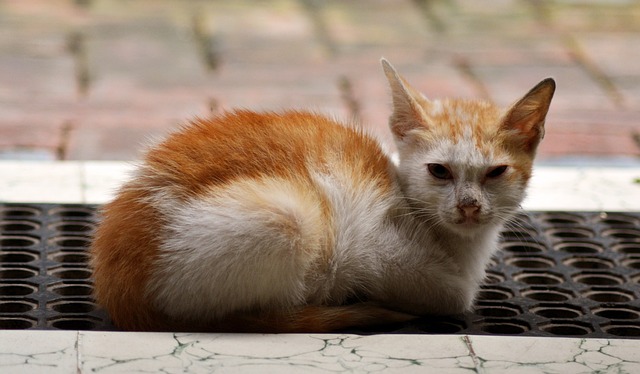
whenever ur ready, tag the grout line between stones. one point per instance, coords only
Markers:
(472, 353)
(593, 70)
(63, 146)
(314, 10)
(463, 65)
(78, 346)
(577, 53)
(433, 20)
(76, 45)
(206, 42)
(348, 98)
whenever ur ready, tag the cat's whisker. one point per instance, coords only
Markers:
(515, 223)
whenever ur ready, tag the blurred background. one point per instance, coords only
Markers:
(95, 79)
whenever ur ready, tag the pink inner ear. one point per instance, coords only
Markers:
(528, 126)
(528, 115)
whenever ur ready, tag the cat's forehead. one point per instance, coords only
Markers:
(463, 134)
(455, 117)
(464, 152)
(464, 131)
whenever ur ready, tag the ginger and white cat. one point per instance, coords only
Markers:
(294, 222)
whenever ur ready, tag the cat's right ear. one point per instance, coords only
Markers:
(407, 112)
(525, 119)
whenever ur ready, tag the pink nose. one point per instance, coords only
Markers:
(469, 210)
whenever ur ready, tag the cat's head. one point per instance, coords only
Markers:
(466, 163)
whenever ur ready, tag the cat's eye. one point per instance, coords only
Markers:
(497, 171)
(439, 171)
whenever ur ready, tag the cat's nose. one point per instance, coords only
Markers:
(469, 210)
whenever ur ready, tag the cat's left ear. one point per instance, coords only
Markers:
(527, 116)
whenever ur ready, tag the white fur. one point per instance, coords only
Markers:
(229, 252)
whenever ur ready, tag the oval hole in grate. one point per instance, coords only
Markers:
(537, 262)
(571, 233)
(15, 323)
(609, 295)
(625, 234)
(72, 213)
(623, 329)
(73, 227)
(564, 328)
(521, 218)
(15, 306)
(522, 247)
(598, 279)
(74, 323)
(518, 234)
(18, 226)
(557, 311)
(504, 327)
(578, 247)
(18, 212)
(16, 289)
(539, 278)
(17, 257)
(589, 263)
(493, 277)
(502, 310)
(72, 273)
(547, 294)
(633, 263)
(562, 219)
(71, 257)
(618, 220)
(17, 241)
(493, 294)
(73, 306)
(72, 289)
(17, 273)
(71, 241)
(627, 248)
(617, 312)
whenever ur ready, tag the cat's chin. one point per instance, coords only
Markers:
(469, 228)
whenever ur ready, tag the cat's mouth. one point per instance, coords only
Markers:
(470, 222)
(467, 221)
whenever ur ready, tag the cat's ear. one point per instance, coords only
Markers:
(407, 114)
(525, 119)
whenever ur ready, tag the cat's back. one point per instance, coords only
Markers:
(250, 145)
(241, 183)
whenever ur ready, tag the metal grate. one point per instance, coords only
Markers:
(558, 274)
(44, 277)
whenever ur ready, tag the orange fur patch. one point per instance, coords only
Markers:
(246, 144)
(123, 252)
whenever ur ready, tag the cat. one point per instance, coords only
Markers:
(294, 222)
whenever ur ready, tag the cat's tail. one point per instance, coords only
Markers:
(313, 319)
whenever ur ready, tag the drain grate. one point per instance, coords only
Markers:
(558, 274)
(44, 277)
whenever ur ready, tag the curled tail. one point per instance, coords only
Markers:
(312, 318)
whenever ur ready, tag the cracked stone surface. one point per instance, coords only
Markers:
(38, 352)
(117, 352)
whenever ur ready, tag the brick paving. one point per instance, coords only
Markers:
(94, 79)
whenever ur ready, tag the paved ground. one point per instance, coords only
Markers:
(92, 79)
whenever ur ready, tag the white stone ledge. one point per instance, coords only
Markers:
(552, 188)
